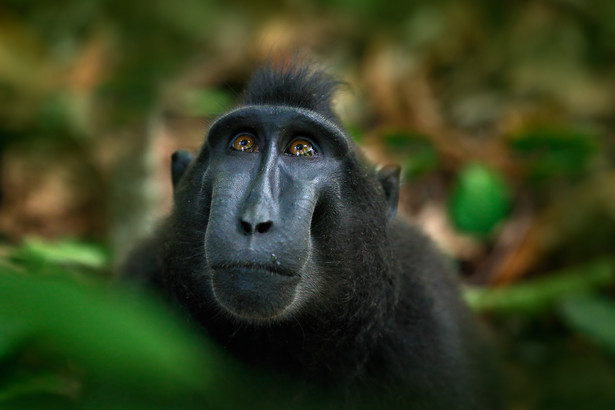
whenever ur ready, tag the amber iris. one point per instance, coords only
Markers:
(245, 142)
(301, 148)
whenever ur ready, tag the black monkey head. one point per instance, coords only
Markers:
(276, 196)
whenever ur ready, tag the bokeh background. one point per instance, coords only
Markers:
(502, 115)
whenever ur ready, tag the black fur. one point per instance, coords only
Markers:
(376, 318)
(292, 85)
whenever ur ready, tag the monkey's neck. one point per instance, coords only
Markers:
(310, 347)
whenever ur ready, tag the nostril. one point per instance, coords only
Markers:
(263, 227)
(247, 228)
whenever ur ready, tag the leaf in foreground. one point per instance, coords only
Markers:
(592, 316)
(113, 334)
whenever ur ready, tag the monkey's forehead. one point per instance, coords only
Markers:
(286, 113)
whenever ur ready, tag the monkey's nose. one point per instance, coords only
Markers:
(261, 227)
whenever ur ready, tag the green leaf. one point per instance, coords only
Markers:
(11, 333)
(36, 384)
(113, 334)
(534, 296)
(480, 200)
(592, 316)
(62, 252)
(552, 152)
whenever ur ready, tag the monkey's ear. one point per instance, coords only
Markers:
(388, 176)
(179, 163)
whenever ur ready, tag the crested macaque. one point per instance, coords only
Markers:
(284, 246)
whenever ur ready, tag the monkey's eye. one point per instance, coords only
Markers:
(301, 148)
(245, 142)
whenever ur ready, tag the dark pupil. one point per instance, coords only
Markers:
(244, 142)
(299, 147)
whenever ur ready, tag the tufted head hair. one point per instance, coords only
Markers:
(292, 84)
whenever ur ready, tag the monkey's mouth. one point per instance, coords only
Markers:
(272, 268)
(254, 292)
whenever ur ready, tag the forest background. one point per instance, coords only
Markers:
(502, 115)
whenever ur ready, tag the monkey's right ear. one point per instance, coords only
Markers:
(179, 163)
(389, 177)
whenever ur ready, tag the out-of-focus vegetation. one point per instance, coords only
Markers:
(502, 115)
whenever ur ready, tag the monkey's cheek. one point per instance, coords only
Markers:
(254, 295)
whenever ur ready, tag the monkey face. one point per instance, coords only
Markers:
(271, 187)
(268, 170)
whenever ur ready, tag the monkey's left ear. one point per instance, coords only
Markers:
(388, 176)
(179, 163)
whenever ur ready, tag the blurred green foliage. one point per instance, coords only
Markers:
(593, 317)
(538, 295)
(417, 153)
(551, 153)
(102, 331)
(106, 329)
(34, 254)
(480, 200)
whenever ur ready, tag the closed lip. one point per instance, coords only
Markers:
(262, 267)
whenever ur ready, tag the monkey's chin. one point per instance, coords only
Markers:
(254, 294)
